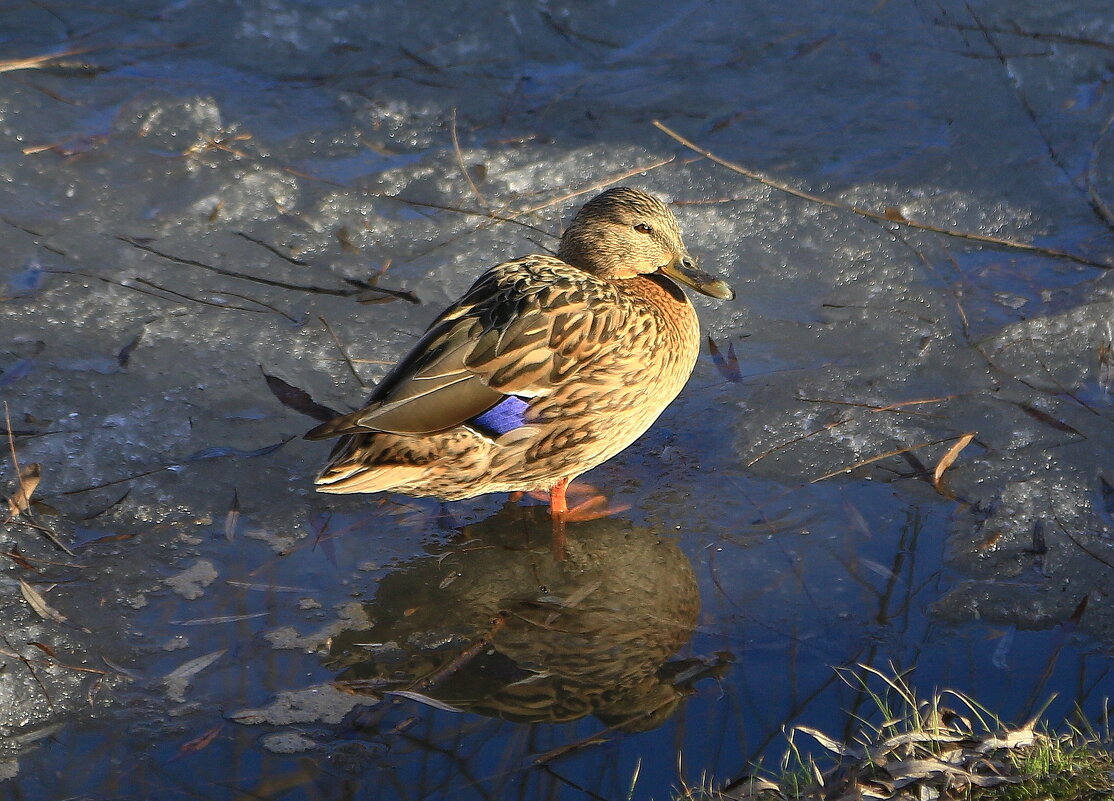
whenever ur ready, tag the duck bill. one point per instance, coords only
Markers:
(686, 271)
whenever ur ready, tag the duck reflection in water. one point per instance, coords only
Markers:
(494, 624)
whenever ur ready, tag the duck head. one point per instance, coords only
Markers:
(623, 233)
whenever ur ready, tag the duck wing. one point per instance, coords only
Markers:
(524, 328)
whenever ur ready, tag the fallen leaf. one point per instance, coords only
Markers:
(1080, 608)
(125, 353)
(1106, 366)
(29, 477)
(206, 621)
(222, 451)
(39, 604)
(1106, 492)
(267, 587)
(201, 742)
(232, 519)
(1047, 419)
(345, 240)
(949, 458)
(178, 680)
(131, 675)
(105, 539)
(728, 366)
(298, 399)
(17, 371)
(812, 46)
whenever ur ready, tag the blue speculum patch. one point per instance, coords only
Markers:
(507, 415)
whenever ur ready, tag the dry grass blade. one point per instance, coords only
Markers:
(890, 407)
(1011, 739)
(828, 743)
(38, 62)
(925, 750)
(949, 458)
(421, 698)
(909, 771)
(20, 501)
(880, 216)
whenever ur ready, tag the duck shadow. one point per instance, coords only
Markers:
(493, 624)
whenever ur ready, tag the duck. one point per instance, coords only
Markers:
(547, 367)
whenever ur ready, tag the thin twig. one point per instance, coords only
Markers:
(1027, 107)
(46, 532)
(192, 299)
(460, 163)
(795, 440)
(34, 234)
(1040, 36)
(511, 216)
(320, 290)
(114, 283)
(874, 215)
(879, 457)
(1092, 190)
(343, 352)
(463, 658)
(250, 299)
(27, 664)
(112, 483)
(892, 407)
(273, 249)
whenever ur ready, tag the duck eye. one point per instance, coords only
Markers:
(643, 228)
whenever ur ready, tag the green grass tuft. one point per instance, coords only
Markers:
(946, 747)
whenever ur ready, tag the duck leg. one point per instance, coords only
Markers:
(590, 504)
(558, 510)
(558, 503)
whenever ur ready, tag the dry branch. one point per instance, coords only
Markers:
(887, 216)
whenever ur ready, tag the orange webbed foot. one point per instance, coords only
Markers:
(594, 508)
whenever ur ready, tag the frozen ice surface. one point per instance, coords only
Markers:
(318, 704)
(288, 743)
(192, 190)
(192, 581)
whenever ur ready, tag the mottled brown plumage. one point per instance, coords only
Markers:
(594, 343)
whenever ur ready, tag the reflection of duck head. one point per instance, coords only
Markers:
(495, 625)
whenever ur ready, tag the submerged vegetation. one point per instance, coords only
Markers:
(915, 749)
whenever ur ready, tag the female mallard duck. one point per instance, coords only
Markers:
(545, 368)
